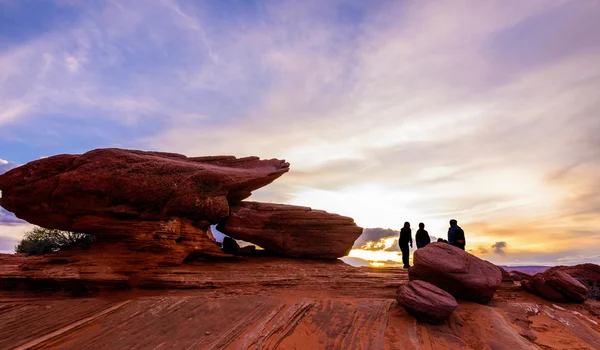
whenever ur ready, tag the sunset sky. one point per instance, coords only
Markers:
(388, 111)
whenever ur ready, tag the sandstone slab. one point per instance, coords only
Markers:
(292, 231)
(459, 273)
(130, 184)
(426, 302)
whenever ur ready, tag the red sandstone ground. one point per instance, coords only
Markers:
(268, 303)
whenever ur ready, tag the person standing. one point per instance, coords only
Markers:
(422, 236)
(403, 241)
(456, 235)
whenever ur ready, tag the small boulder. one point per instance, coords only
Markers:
(426, 302)
(459, 273)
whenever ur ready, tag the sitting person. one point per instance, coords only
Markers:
(230, 246)
(422, 236)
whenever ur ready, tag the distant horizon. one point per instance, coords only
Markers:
(484, 112)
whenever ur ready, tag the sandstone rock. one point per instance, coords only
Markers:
(128, 184)
(426, 302)
(537, 285)
(146, 209)
(506, 277)
(586, 274)
(555, 285)
(291, 230)
(567, 285)
(520, 276)
(459, 273)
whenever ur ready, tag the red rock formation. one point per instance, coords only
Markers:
(459, 273)
(276, 303)
(146, 209)
(555, 285)
(426, 302)
(149, 186)
(586, 274)
(291, 230)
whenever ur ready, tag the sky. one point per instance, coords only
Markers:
(483, 111)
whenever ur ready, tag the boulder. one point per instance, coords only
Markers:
(290, 230)
(426, 302)
(520, 276)
(459, 273)
(134, 185)
(586, 274)
(555, 285)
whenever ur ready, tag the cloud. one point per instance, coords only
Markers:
(8, 218)
(7, 244)
(499, 247)
(10, 235)
(370, 104)
(373, 235)
(6, 166)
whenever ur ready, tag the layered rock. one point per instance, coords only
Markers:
(426, 302)
(555, 285)
(459, 273)
(292, 230)
(125, 184)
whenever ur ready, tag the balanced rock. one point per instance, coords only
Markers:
(426, 302)
(146, 209)
(459, 273)
(290, 230)
(555, 285)
(128, 184)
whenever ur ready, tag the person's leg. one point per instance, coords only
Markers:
(405, 254)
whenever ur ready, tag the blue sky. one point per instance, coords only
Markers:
(387, 111)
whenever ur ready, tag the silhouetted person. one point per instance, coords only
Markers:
(456, 235)
(403, 241)
(441, 240)
(422, 236)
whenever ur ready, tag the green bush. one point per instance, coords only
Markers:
(43, 241)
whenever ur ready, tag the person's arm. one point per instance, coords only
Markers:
(410, 238)
(461, 236)
(427, 238)
(450, 235)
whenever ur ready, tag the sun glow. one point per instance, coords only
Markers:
(370, 206)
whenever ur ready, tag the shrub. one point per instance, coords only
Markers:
(43, 241)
